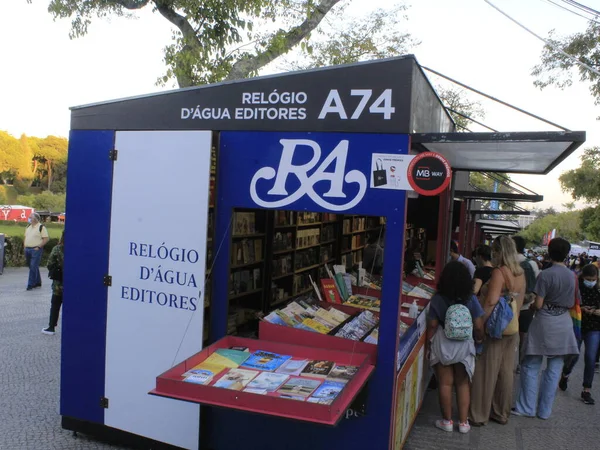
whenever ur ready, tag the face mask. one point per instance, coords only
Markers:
(589, 284)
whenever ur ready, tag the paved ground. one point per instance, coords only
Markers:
(29, 393)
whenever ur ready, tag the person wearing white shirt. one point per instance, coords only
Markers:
(456, 256)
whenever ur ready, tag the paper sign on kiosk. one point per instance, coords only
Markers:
(388, 171)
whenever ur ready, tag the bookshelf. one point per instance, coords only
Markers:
(416, 239)
(275, 254)
(210, 232)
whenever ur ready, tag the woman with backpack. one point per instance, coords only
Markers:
(455, 316)
(550, 335)
(590, 332)
(492, 388)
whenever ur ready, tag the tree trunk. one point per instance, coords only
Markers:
(49, 165)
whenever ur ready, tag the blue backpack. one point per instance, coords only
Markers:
(499, 319)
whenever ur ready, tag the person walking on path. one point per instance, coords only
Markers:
(452, 356)
(590, 332)
(491, 393)
(531, 271)
(36, 236)
(55, 272)
(550, 335)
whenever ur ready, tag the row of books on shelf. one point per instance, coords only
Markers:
(241, 281)
(353, 224)
(283, 241)
(246, 251)
(306, 218)
(284, 218)
(355, 242)
(244, 223)
(352, 259)
(267, 373)
(308, 237)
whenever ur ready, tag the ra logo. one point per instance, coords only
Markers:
(336, 178)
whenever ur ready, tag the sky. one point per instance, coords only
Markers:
(43, 72)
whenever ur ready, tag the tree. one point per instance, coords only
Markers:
(569, 206)
(50, 152)
(584, 182)
(557, 70)
(459, 106)
(590, 223)
(541, 213)
(215, 39)
(348, 39)
(566, 224)
(45, 201)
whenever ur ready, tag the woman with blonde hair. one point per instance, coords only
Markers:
(492, 388)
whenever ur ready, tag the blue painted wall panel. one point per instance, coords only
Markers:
(89, 186)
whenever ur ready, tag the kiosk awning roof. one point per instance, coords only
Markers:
(498, 224)
(512, 152)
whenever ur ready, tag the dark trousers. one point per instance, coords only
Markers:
(55, 305)
(592, 344)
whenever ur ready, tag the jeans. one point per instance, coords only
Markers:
(54, 310)
(592, 344)
(32, 258)
(529, 403)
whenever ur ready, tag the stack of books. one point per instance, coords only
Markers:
(359, 327)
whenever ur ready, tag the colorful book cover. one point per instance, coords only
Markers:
(342, 374)
(316, 325)
(266, 361)
(210, 366)
(301, 326)
(275, 319)
(327, 392)
(200, 377)
(318, 368)
(427, 288)
(235, 356)
(267, 381)
(299, 386)
(330, 292)
(293, 397)
(341, 285)
(406, 287)
(236, 379)
(292, 366)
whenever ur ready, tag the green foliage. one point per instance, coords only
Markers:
(46, 201)
(15, 255)
(557, 70)
(567, 225)
(11, 228)
(8, 195)
(352, 39)
(456, 99)
(214, 39)
(590, 222)
(584, 182)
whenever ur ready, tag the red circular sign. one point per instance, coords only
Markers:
(429, 173)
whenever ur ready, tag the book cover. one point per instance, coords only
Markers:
(293, 397)
(266, 361)
(236, 357)
(318, 368)
(216, 363)
(200, 377)
(205, 370)
(239, 349)
(316, 325)
(327, 392)
(330, 292)
(341, 285)
(275, 319)
(292, 367)
(299, 386)
(267, 381)
(342, 374)
(236, 379)
(427, 288)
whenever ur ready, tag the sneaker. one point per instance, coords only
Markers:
(597, 368)
(48, 330)
(445, 425)
(586, 397)
(464, 428)
(514, 412)
(563, 384)
(29, 288)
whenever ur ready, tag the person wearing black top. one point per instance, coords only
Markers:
(483, 256)
(590, 331)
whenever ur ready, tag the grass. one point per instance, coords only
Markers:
(18, 229)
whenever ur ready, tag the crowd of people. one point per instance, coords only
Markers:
(496, 318)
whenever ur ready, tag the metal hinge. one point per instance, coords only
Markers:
(107, 280)
(104, 402)
(112, 155)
